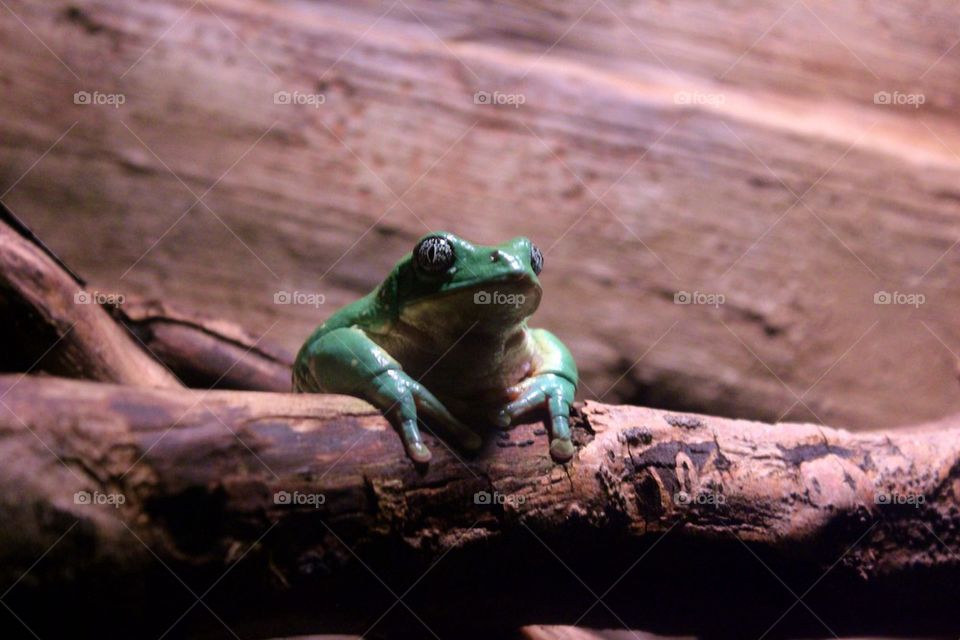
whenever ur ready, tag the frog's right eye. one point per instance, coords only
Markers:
(433, 254)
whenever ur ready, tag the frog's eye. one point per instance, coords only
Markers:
(434, 254)
(536, 259)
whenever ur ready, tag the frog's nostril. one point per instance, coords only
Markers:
(495, 256)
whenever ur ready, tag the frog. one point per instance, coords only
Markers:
(445, 337)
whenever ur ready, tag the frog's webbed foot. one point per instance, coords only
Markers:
(345, 360)
(400, 397)
(550, 391)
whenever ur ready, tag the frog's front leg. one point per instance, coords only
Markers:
(345, 360)
(552, 386)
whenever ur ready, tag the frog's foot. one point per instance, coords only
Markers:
(463, 436)
(550, 391)
(399, 397)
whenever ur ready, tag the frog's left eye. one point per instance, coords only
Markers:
(434, 254)
(536, 259)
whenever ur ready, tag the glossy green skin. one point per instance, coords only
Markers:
(423, 345)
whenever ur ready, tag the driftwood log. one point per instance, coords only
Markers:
(307, 503)
(208, 513)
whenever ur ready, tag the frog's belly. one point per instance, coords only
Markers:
(470, 375)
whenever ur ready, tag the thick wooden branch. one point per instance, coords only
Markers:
(315, 499)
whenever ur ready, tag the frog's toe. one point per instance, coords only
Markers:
(502, 418)
(561, 450)
(419, 453)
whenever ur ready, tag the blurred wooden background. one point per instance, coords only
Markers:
(650, 148)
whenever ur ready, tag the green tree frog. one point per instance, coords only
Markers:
(445, 337)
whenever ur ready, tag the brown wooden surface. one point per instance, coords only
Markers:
(207, 353)
(199, 472)
(304, 199)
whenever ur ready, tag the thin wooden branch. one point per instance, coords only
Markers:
(207, 353)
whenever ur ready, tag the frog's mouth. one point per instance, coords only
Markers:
(487, 304)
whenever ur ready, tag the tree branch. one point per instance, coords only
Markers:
(206, 353)
(198, 473)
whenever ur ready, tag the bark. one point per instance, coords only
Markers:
(199, 472)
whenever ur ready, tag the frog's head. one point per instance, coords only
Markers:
(449, 283)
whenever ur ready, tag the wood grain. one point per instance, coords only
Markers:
(871, 516)
(695, 197)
